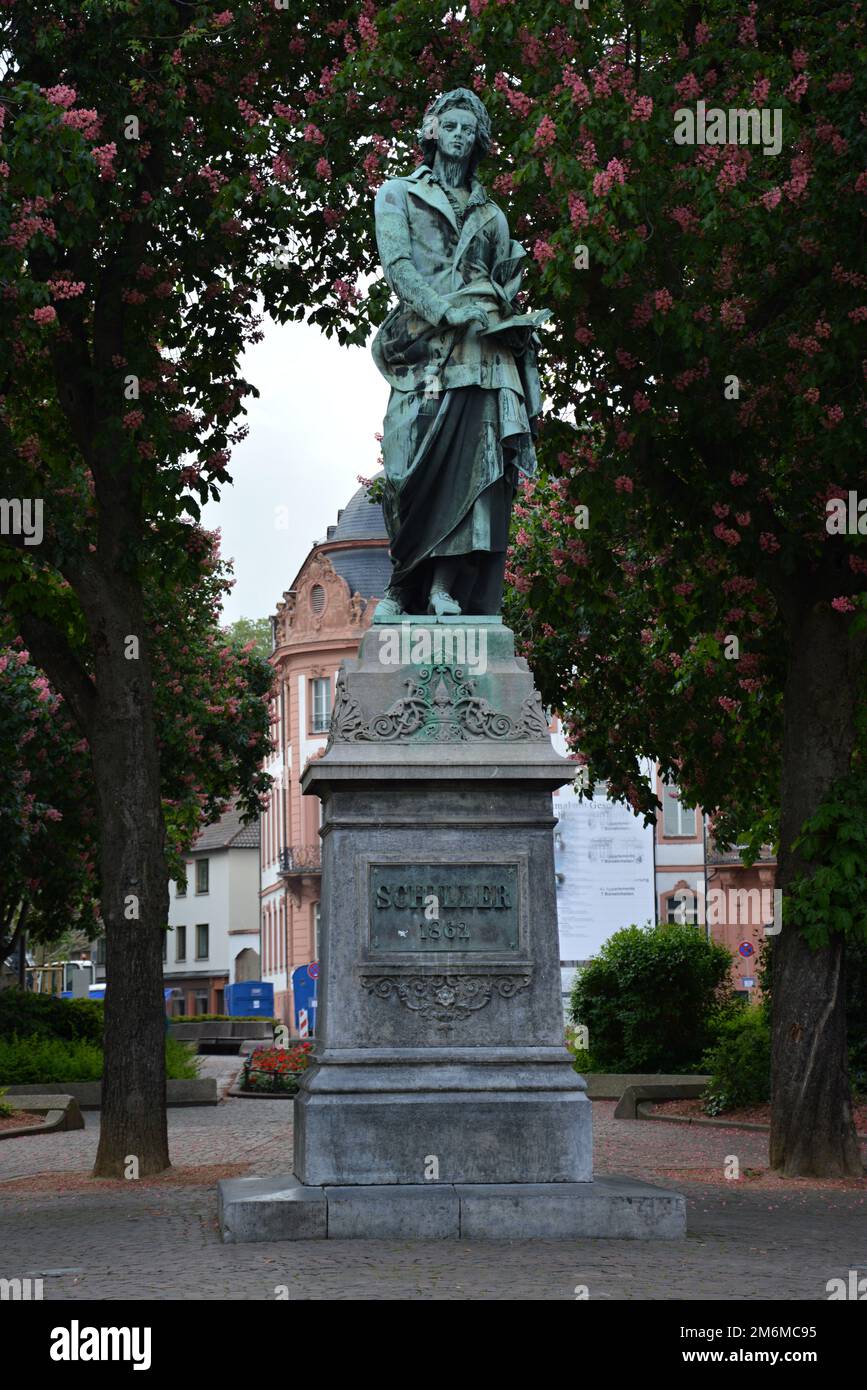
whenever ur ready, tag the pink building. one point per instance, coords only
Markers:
(318, 622)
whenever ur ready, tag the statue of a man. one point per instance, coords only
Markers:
(460, 358)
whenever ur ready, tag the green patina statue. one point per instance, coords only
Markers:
(460, 358)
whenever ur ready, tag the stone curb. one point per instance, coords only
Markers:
(627, 1108)
(201, 1091)
(612, 1085)
(238, 1094)
(708, 1123)
(61, 1112)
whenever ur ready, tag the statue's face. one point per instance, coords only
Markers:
(456, 132)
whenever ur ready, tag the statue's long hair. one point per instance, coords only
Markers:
(459, 96)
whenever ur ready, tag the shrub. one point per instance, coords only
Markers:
(32, 1061)
(580, 1055)
(29, 1061)
(28, 1015)
(649, 997)
(182, 1063)
(5, 1108)
(739, 1062)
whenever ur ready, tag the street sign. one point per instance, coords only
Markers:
(746, 948)
(748, 982)
(313, 970)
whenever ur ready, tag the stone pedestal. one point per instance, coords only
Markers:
(441, 1075)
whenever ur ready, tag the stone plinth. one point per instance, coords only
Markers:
(440, 1074)
(440, 1019)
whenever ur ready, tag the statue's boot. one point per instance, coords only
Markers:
(390, 605)
(442, 604)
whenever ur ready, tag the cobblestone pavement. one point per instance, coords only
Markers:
(746, 1241)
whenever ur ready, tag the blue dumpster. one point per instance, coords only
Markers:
(250, 997)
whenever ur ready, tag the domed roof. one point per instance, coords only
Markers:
(367, 570)
(360, 520)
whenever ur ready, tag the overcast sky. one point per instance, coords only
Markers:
(311, 434)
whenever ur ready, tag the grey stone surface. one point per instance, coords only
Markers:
(256, 1209)
(430, 1212)
(627, 1108)
(613, 1208)
(62, 1112)
(439, 771)
(611, 1085)
(253, 1209)
(390, 1138)
(201, 1091)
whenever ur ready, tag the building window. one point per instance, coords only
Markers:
(219, 1002)
(202, 1002)
(202, 941)
(165, 947)
(202, 875)
(681, 907)
(181, 886)
(316, 931)
(677, 821)
(181, 943)
(100, 951)
(317, 599)
(320, 702)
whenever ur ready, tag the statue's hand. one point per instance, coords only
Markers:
(461, 315)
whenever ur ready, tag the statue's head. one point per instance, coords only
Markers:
(457, 124)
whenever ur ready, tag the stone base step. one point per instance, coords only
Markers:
(282, 1208)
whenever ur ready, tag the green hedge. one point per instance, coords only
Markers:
(649, 998)
(33, 1061)
(28, 1015)
(739, 1062)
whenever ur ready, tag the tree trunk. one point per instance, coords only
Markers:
(133, 1138)
(812, 1130)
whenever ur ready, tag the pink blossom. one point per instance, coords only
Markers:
(543, 251)
(761, 91)
(313, 135)
(87, 122)
(133, 419)
(843, 605)
(642, 109)
(624, 483)
(797, 88)
(65, 289)
(688, 88)
(662, 300)
(771, 198)
(323, 169)
(578, 214)
(250, 114)
(221, 20)
(104, 156)
(60, 95)
(48, 314)
(546, 134)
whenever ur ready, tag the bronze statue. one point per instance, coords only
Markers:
(460, 358)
